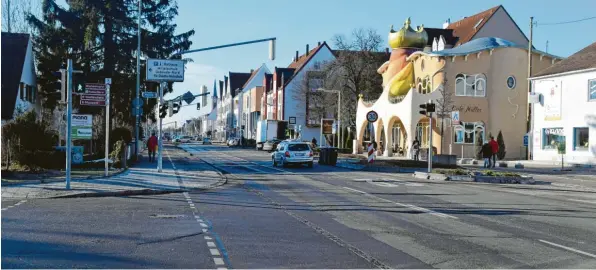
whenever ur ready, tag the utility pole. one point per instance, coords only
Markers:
(530, 105)
(107, 150)
(138, 105)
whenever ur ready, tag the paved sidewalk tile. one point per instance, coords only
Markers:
(143, 177)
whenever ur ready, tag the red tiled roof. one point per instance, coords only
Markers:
(584, 59)
(464, 28)
(303, 60)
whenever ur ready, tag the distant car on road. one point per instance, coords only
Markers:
(292, 152)
(206, 140)
(270, 145)
(183, 139)
(233, 141)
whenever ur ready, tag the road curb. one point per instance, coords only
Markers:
(42, 181)
(358, 167)
(120, 193)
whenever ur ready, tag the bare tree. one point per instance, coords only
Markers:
(354, 71)
(444, 108)
(15, 12)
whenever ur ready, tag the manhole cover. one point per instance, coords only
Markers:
(166, 216)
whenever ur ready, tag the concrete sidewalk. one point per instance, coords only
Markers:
(180, 173)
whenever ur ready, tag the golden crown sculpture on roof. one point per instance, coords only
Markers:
(406, 37)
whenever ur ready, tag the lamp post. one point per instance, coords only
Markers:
(338, 92)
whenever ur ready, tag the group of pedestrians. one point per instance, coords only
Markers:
(489, 150)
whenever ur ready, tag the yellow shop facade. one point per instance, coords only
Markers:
(484, 81)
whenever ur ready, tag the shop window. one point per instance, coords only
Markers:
(470, 85)
(551, 137)
(592, 90)
(581, 138)
(422, 131)
(468, 132)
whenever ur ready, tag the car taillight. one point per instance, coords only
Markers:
(287, 154)
(310, 154)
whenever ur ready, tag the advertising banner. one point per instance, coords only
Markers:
(552, 99)
(82, 126)
(327, 127)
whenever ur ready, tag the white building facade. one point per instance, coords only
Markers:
(565, 114)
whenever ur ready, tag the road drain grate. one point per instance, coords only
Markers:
(166, 216)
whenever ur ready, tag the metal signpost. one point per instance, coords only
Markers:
(371, 117)
(159, 134)
(70, 70)
(107, 153)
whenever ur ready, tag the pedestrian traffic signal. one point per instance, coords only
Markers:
(163, 110)
(78, 83)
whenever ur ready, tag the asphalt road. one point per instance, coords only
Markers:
(323, 217)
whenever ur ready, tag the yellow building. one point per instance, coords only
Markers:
(483, 80)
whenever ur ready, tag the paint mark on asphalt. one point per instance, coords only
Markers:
(584, 201)
(568, 248)
(16, 204)
(405, 205)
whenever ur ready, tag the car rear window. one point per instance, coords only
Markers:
(298, 147)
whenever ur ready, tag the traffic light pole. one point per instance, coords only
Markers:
(159, 136)
(69, 70)
(430, 142)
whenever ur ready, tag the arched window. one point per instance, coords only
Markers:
(470, 85)
(469, 133)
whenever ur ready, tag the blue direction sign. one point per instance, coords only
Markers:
(526, 137)
(188, 97)
(150, 94)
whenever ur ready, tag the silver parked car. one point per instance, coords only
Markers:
(289, 152)
(270, 145)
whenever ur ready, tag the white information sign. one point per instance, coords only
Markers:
(161, 70)
(552, 99)
(82, 120)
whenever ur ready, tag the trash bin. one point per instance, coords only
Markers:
(322, 155)
(332, 156)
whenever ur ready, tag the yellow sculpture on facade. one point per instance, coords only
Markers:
(397, 73)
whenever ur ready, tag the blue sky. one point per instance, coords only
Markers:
(297, 23)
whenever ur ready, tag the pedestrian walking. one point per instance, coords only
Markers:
(152, 147)
(416, 148)
(314, 142)
(486, 152)
(495, 148)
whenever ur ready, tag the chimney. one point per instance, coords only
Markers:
(296, 59)
(387, 50)
(307, 49)
(252, 70)
(319, 43)
(446, 24)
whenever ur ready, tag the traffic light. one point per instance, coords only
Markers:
(198, 106)
(163, 110)
(60, 83)
(427, 108)
(176, 107)
(78, 83)
(272, 50)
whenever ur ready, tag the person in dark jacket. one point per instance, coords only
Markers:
(486, 152)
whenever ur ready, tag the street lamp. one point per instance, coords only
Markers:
(338, 92)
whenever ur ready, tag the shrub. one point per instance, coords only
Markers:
(502, 151)
(120, 134)
(25, 140)
(116, 154)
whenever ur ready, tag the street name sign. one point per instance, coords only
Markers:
(150, 94)
(161, 70)
(95, 95)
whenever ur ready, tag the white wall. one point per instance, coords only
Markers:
(574, 112)
(502, 26)
(28, 77)
(295, 107)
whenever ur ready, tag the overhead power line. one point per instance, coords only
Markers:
(566, 22)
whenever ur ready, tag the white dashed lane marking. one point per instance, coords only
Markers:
(16, 204)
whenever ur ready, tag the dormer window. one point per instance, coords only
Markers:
(478, 23)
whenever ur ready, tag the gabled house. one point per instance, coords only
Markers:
(246, 109)
(233, 86)
(493, 22)
(284, 96)
(19, 88)
(564, 109)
